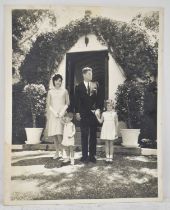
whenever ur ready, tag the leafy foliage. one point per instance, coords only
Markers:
(128, 45)
(129, 103)
(27, 19)
(26, 26)
(148, 143)
(21, 114)
(36, 95)
(136, 104)
(149, 118)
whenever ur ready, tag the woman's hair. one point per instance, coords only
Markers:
(56, 77)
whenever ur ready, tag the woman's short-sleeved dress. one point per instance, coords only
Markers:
(69, 130)
(58, 99)
(108, 131)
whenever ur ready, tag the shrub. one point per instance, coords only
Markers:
(129, 103)
(35, 94)
(21, 114)
(136, 105)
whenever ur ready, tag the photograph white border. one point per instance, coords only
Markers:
(8, 118)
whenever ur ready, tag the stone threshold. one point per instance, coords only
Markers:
(118, 149)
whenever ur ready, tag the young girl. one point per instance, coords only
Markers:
(68, 137)
(109, 130)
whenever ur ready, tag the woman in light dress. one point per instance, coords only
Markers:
(57, 104)
(109, 131)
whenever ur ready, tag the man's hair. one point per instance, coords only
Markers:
(86, 69)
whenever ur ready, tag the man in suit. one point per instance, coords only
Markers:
(87, 106)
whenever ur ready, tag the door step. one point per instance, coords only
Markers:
(50, 147)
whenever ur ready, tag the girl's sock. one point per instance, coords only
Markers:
(107, 158)
(111, 158)
(66, 160)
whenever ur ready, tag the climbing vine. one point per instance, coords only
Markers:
(127, 44)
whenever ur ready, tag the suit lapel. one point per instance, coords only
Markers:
(83, 87)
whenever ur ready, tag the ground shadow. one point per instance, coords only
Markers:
(124, 178)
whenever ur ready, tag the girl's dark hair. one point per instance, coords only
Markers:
(69, 114)
(56, 77)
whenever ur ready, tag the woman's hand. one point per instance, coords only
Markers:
(56, 114)
(61, 114)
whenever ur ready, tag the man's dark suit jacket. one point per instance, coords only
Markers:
(84, 103)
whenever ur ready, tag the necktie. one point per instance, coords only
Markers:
(88, 88)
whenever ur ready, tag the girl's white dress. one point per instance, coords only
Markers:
(57, 99)
(108, 131)
(69, 131)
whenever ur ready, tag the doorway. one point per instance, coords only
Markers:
(97, 60)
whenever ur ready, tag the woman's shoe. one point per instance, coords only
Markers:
(107, 160)
(56, 157)
(66, 160)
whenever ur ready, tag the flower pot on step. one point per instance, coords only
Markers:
(33, 135)
(130, 137)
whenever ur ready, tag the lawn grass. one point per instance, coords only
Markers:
(126, 177)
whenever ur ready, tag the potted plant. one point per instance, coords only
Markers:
(129, 107)
(36, 95)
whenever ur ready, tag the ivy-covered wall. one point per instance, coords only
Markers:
(128, 45)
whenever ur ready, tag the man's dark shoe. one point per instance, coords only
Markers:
(84, 160)
(92, 159)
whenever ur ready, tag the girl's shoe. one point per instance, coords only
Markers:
(72, 161)
(107, 160)
(110, 160)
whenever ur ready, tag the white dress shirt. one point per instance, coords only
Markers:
(86, 84)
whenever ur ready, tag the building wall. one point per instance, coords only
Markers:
(115, 73)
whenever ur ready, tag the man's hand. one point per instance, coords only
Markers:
(97, 113)
(78, 116)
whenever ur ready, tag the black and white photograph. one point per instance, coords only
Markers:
(83, 118)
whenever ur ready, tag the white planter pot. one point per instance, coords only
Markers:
(130, 137)
(33, 135)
